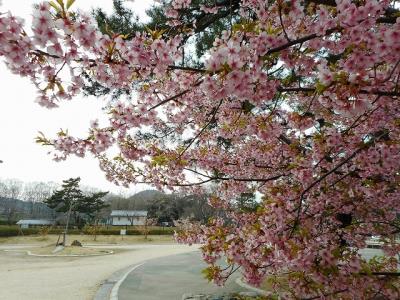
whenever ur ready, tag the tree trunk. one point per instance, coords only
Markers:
(145, 229)
(66, 226)
(95, 228)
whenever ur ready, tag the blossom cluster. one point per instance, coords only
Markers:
(298, 101)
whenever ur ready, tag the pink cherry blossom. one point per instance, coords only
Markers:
(298, 102)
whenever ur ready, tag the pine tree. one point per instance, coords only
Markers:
(70, 199)
(66, 200)
(91, 205)
(124, 21)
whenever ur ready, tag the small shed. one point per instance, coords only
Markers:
(33, 223)
(128, 217)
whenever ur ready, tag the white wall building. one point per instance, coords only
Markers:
(33, 223)
(128, 217)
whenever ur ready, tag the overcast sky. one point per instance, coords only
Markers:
(21, 119)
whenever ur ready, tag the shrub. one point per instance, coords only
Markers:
(133, 232)
(90, 230)
(30, 231)
(6, 231)
(61, 230)
(165, 231)
(56, 230)
(44, 231)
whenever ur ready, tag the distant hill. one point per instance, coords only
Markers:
(15, 209)
(147, 195)
(143, 199)
(166, 207)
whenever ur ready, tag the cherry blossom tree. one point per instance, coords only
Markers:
(297, 100)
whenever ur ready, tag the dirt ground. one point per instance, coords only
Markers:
(28, 277)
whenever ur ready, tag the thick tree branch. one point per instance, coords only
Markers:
(313, 89)
(235, 178)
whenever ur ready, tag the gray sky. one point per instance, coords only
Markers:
(21, 119)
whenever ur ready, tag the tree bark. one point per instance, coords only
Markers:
(66, 226)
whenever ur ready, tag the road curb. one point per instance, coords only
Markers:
(115, 289)
(109, 288)
(60, 255)
(245, 285)
(70, 255)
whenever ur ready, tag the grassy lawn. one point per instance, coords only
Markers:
(89, 239)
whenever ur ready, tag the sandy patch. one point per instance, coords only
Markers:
(27, 277)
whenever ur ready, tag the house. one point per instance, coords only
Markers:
(33, 223)
(128, 217)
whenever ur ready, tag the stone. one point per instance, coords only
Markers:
(76, 243)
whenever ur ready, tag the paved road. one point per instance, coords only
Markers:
(369, 253)
(68, 278)
(168, 278)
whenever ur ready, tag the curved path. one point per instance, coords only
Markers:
(168, 272)
(26, 277)
(169, 278)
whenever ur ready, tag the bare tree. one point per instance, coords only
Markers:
(11, 188)
(37, 192)
(10, 213)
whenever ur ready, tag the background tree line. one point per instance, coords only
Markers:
(26, 200)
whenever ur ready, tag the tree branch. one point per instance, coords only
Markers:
(215, 110)
(236, 179)
(175, 96)
(313, 89)
(389, 16)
